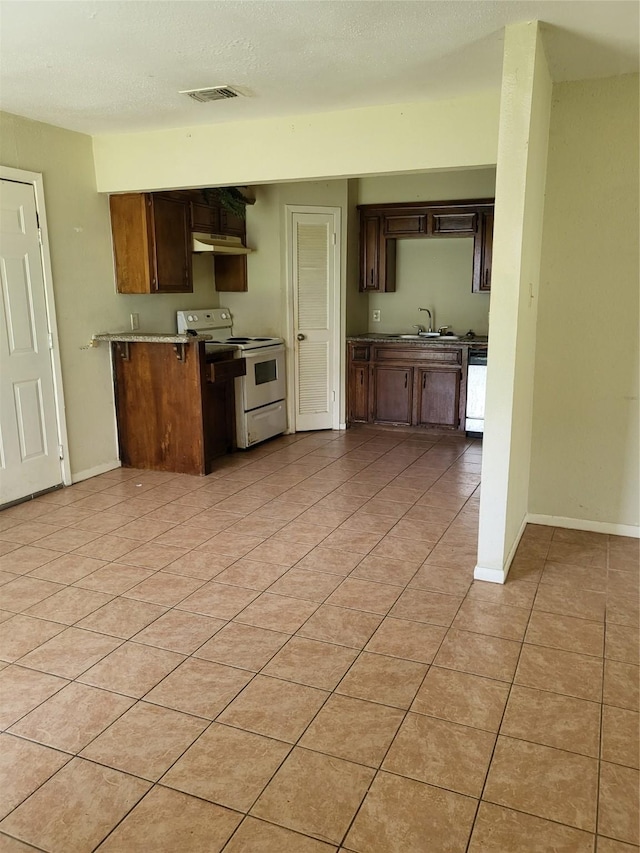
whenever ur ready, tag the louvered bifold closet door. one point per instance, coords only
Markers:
(314, 292)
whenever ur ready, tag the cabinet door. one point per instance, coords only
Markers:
(358, 393)
(455, 222)
(231, 224)
(393, 393)
(377, 257)
(438, 397)
(171, 246)
(205, 218)
(483, 254)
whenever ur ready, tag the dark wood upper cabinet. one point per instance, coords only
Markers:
(382, 224)
(151, 243)
(377, 257)
(205, 218)
(483, 254)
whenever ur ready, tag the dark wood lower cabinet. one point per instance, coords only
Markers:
(392, 394)
(421, 386)
(175, 405)
(438, 397)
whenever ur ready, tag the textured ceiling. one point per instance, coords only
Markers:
(113, 66)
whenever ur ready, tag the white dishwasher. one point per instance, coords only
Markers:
(476, 392)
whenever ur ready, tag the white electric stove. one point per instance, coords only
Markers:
(261, 410)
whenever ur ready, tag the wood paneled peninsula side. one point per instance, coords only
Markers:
(175, 402)
(420, 383)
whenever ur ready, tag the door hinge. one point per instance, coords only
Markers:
(60, 451)
(334, 238)
(50, 340)
(40, 235)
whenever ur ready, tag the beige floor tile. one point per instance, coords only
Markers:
(398, 814)
(164, 588)
(179, 631)
(312, 586)
(330, 560)
(497, 620)
(251, 574)
(200, 564)
(227, 766)
(122, 617)
(440, 579)
(560, 672)
(243, 646)
(618, 803)
(608, 845)
(70, 719)
(621, 685)
(500, 830)
(383, 570)
(462, 698)
(24, 766)
(553, 720)
(620, 736)
(314, 794)
(132, 669)
(70, 652)
(441, 753)
(566, 632)
(68, 568)
(67, 539)
(365, 595)
(165, 821)
(69, 605)
(76, 808)
(549, 783)
(339, 625)
(21, 634)
(114, 578)
(218, 600)
(23, 592)
(145, 741)
(144, 529)
(108, 547)
(280, 553)
(574, 577)
(151, 555)
(623, 609)
(404, 639)
(593, 554)
(514, 593)
(583, 604)
(256, 836)
(353, 729)
(491, 657)
(200, 687)
(383, 679)
(422, 606)
(277, 612)
(275, 708)
(410, 552)
(303, 532)
(311, 662)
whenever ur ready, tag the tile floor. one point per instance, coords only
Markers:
(290, 656)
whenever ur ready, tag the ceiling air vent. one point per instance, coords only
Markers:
(214, 93)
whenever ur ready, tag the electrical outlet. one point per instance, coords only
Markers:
(376, 315)
(135, 322)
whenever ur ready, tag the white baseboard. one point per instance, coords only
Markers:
(482, 573)
(93, 472)
(584, 524)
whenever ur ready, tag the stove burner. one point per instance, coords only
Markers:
(261, 339)
(238, 340)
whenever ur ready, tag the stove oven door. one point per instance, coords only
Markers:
(264, 382)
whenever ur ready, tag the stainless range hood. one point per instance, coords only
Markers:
(218, 244)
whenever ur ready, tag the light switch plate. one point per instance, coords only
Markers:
(135, 322)
(376, 315)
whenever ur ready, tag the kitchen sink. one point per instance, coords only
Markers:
(434, 336)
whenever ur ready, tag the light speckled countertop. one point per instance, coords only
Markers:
(373, 337)
(151, 338)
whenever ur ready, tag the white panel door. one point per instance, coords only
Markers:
(313, 243)
(29, 452)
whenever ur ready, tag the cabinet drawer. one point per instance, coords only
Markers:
(417, 354)
(360, 352)
(405, 224)
(455, 223)
(224, 371)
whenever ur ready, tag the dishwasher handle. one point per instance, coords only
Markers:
(478, 356)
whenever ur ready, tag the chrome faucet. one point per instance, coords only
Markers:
(430, 329)
(419, 328)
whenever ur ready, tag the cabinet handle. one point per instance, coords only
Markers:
(486, 278)
(406, 379)
(362, 377)
(424, 381)
(371, 277)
